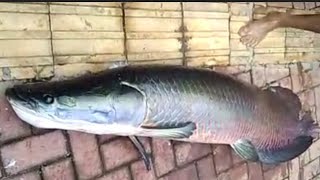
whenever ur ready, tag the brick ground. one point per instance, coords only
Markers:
(57, 154)
(32, 154)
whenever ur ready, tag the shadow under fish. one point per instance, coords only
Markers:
(173, 102)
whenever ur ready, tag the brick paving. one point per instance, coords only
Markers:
(56, 154)
(33, 154)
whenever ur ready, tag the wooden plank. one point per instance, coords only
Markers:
(208, 43)
(302, 57)
(208, 61)
(87, 46)
(299, 42)
(19, 48)
(280, 4)
(269, 50)
(25, 61)
(21, 73)
(239, 9)
(161, 61)
(86, 35)
(239, 60)
(239, 53)
(152, 24)
(60, 60)
(153, 35)
(205, 6)
(85, 23)
(23, 8)
(274, 58)
(235, 26)
(197, 24)
(154, 56)
(211, 15)
(272, 42)
(104, 4)
(74, 70)
(173, 6)
(300, 49)
(25, 35)
(207, 34)
(18, 73)
(240, 18)
(153, 45)
(223, 52)
(83, 10)
(155, 13)
(235, 44)
(15, 21)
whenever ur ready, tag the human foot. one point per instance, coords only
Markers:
(255, 31)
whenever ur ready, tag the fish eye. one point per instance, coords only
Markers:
(48, 98)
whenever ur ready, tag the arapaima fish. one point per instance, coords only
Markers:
(173, 102)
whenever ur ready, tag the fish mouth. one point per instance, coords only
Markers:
(18, 97)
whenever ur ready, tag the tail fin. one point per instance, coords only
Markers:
(307, 126)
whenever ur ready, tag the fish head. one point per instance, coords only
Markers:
(49, 105)
(33, 103)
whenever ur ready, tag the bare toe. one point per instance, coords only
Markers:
(244, 40)
(252, 42)
(243, 30)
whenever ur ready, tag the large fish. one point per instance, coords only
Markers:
(173, 102)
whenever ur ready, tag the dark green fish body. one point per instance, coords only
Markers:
(174, 102)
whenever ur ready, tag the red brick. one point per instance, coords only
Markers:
(317, 99)
(307, 80)
(315, 76)
(304, 158)
(121, 174)
(239, 173)
(307, 99)
(230, 69)
(118, 152)
(206, 169)
(11, 126)
(27, 176)
(276, 72)
(296, 78)
(33, 151)
(163, 156)
(255, 171)
(279, 172)
(312, 169)
(244, 77)
(62, 170)
(280, 4)
(187, 152)
(139, 171)
(259, 76)
(285, 82)
(314, 150)
(86, 154)
(310, 5)
(187, 173)
(236, 159)
(222, 158)
(294, 169)
(105, 138)
(146, 143)
(298, 5)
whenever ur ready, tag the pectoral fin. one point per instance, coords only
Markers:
(183, 130)
(145, 156)
(245, 149)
